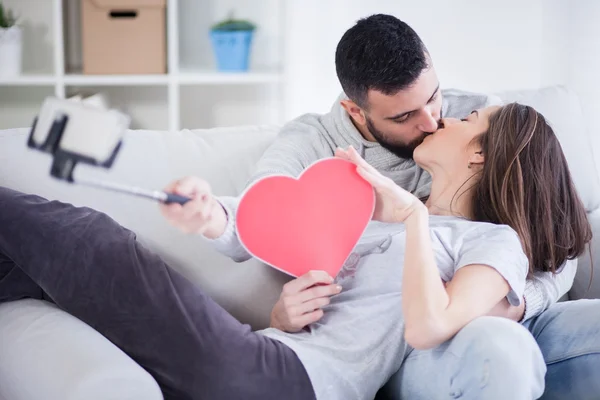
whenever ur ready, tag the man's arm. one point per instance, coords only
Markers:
(298, 144)
(459, 103)
(541, 291)
(544, 289)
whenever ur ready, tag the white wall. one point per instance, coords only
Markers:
(476, 45)
(584, 60)
(484, 45)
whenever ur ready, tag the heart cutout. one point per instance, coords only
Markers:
(307, 223)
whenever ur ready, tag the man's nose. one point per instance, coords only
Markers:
(428, 122)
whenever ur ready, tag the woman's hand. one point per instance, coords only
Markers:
(202, 214)
(302, 300)
(392, 203)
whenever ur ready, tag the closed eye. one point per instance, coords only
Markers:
(403, 119)
(435, 96)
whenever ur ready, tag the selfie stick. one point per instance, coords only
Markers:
(49, 136)
(157, 195)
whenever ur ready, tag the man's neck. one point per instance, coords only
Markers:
(451, 195)
(363, 130)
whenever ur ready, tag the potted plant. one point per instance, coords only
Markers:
(232, 40)
(11, 44)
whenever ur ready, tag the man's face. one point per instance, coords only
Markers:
(401, 121)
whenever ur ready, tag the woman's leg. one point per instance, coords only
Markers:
(490, 358)
(95, 270)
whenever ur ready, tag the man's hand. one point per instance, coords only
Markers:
(202, 214)
(301, 301)
(505, 310)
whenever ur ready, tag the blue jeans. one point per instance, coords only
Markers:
(494, 358)
(568, 334)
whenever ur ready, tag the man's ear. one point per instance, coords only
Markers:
(477, 157)
(354, 111)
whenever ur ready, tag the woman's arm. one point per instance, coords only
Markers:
(490, 265)
(433, 314)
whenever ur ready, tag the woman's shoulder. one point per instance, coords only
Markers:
(462, 229)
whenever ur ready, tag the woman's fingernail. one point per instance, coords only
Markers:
(338, 288)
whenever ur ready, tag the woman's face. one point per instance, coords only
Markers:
(452, 146)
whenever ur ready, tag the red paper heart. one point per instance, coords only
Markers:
(309, 223)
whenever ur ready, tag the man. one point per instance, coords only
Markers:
(392, 100)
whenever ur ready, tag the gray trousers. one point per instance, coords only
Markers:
(94, 269)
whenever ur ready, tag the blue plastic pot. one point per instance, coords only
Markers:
(232, 49)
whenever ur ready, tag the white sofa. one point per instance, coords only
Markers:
(47, 354)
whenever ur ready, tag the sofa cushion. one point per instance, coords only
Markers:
(46, 353)
(562, 109)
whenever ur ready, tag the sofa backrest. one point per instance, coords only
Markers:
(226, 158)
(152, 159)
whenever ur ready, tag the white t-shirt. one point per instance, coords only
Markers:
(359, 343)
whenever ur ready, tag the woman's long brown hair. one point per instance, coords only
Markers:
(525, 183)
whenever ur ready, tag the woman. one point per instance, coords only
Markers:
(485, 168)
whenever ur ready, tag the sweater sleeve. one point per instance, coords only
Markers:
(545, 288)
(459, 103)
(297, 145)
(228, 243)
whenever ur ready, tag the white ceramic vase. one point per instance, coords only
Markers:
(11, 50)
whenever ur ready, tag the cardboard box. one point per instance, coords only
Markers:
(124, 36)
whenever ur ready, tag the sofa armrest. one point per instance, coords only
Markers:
(587, 280)
(46, 353)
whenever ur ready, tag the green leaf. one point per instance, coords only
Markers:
(7, 17)
(230, 24)
(3, 22)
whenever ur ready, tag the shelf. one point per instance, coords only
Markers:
(227, 78)
(185, 78)
(115, 80)
(29, 80)
(164, 100)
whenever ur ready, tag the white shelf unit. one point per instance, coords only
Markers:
(179, 76)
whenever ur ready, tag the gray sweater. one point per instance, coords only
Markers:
(313, 136)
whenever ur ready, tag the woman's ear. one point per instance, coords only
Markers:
(354, 111)
(477, 158)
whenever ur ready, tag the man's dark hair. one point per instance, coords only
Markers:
(379, 53)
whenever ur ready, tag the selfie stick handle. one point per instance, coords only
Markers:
(163, 197)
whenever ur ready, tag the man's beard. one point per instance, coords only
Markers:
(402, 150)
